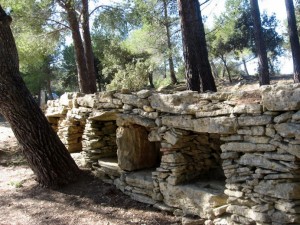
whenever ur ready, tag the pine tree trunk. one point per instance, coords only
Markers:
(264, 78)
(170, 52)
(245, 67)
(294, 38)
(198, 72)
(89, 55)
(83, 78)
(45, 153)
(227, 69)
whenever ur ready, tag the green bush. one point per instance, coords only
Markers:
(134, 77)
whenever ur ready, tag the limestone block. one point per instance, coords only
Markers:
(66, 99)
(220, 210)
(247, 147)
(141, 179)
(288, 129)
(289, 96)
(283, 117)
(285, 218)
(171, 137)
(248, 213)
(60, 111)
(127, 119)
(257, 130)
(103, 115)
(154, 136)
(219, 125)
(186, 101)
(226, 110)
(87, 101)
(183, 122)
(262, 162)
(254, 120)
(132, 100)
(198, 198)
(288, 191)
(104, 97)
(257, 139)
(134, 150)
(232, 138)
(229, 155)
(144, 93)
(237, 194)
(249, 108)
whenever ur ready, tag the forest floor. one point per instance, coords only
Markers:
(87, 202)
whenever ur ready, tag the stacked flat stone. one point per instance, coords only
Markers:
(99, 141)
(261, 162)
(252, 136)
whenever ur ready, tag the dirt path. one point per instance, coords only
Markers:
(87, 202)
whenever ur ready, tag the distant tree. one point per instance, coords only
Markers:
(198, 71)
(294, 38)
(45, 153)
(83, 47)
(264, 78)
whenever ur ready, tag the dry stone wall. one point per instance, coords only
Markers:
(223, 158)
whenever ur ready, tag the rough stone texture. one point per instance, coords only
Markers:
(134, 150)
(288, 94)
(249, 140)
(197, 199)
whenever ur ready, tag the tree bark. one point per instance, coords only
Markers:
(45, 153)
(88, 49)
(83, 78)
(245, 67)
(294, 38)
(150, 77)
(170, 52)
(198, 72)
(226, 67)
(264, 77)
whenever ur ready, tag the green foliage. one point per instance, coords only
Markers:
(232, 37)
(133, 77)
(34, 41)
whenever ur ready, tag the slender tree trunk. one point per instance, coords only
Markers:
(150, 77)
(264, 77)
(198, 71)
(294, 38)
(223, 71)
(227, 69)
(214, 69)
(165, 74)
(245, 67)
(89, 55)
(170, 52)
(45, 153)
(48, 79)
(83, 78)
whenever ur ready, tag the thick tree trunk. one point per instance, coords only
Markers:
(45, 153)
(198, 71)
(170, 52)
(88, 49)
(245, 67)
(294, 38)
(264, 78)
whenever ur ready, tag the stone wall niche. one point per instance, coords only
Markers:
(135, 151)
